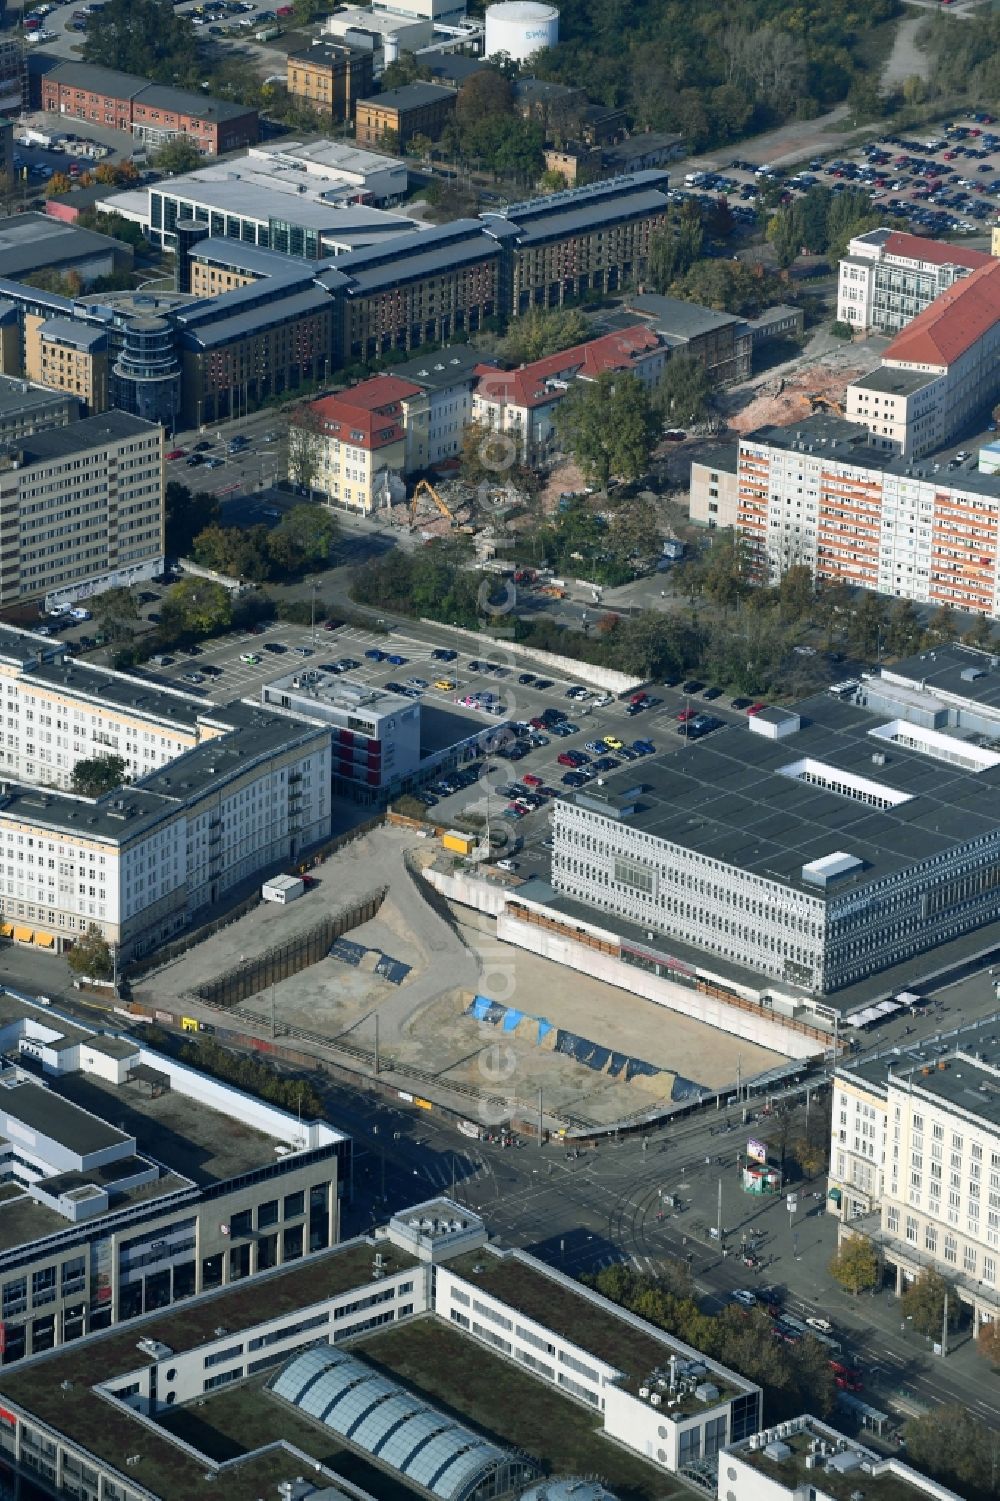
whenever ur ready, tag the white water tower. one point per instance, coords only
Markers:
(520, 28)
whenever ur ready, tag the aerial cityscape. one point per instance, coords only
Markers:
(391, 393)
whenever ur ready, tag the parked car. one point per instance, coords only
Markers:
(745, 1298)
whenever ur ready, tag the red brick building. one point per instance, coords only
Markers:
(153, 112)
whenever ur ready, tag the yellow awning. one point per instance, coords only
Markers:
(45, 940)
(24, 935)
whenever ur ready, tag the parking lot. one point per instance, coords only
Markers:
(945, 178)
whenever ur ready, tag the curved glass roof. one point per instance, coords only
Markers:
(394, 1426)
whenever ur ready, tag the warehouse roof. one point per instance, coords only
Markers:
(769, 806)
(29, 242)
(953, 669)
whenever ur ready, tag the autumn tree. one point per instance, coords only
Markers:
(306, 446)
(684, 391)
(988, 1343)
(196, 607)
(608, 425)
(923, 1302)
(91, 956)
(117, 613)
(856, 1265)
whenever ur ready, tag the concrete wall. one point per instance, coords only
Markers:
(583, 672)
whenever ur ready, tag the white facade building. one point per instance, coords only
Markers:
(806, 1458)
(375, 735)
(915, 1161)
(887, 277)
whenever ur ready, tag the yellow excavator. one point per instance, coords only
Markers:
(424, 487)
(820, 403)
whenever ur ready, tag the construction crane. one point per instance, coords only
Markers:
(424, 487)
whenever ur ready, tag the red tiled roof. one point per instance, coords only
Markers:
(527, 386)
(952, 323)
(368, 415)
(934, 252)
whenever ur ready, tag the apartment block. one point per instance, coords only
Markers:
(714, 488)
(400, 114)
(330, 77)
(821, 495)
(887, 277)
(941, 372)
(195, 1186)
(915, 1161)
(26, 409)
(81, 505)
(154, 113)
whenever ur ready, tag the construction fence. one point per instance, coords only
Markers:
(253, 975)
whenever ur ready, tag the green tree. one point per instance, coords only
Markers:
(187, 514)
(306, 446)
(980, 634)
(91, 957)
(119, 36)
(608, 425)
(856, 1265)
(943, 624)
(684, 391)
(796, 591)
(196, 607)
(923, 1302)
(867, 626)
(179, 155)
(98, 775)
(904, 630)
(302, 539)
(238, 552)
(955, 1447)
(484, 96)
(540, 332)
(116, 612)
(786, 233)
(675, 248)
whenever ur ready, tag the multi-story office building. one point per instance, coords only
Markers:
(915, 1161)
(376, 735)
(820, 494)
(26, 409)
(804, 1457)
(68, 356)
(656, 1401)
(415, 290)
(81, 506)
(195, 1186)
(400, 114)
(522, 403)
(888, 277)
(594, 238)
(891, 846)
(258, 341)
(331, 77)
(154, 113)
(939, 373)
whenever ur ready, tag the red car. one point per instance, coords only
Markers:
(638, 698)
(756, 708)
(177, 453)
(530, 780)
(846, 1379)
(567, 759)
(537, 724)
(687, 714)
(330, 625)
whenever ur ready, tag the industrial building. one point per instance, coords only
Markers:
(721, 342)
(820, 494)
(887, 277)
(806, 1457)
(915, 1161)
(37, 242)
(816, 847)
(939, 373)
(133, 1182)
(154, 113)
(297, 1351)
(81, 508)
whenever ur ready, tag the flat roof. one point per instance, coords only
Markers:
(70, 1125)
(113, 1433)
(896, 382)
(839, 1475)
(941, 671)
(410, 96)
(230, 326)
(18, 396)
(731, 799)
(173, 707)
(112, 426)
(588, 1322)
(30, 241)
(438, 369)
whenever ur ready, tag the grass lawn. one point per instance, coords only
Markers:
(459, 1375)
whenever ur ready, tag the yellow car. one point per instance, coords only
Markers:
(612, 742)
(445, 684)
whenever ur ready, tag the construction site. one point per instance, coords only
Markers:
(797, 390)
